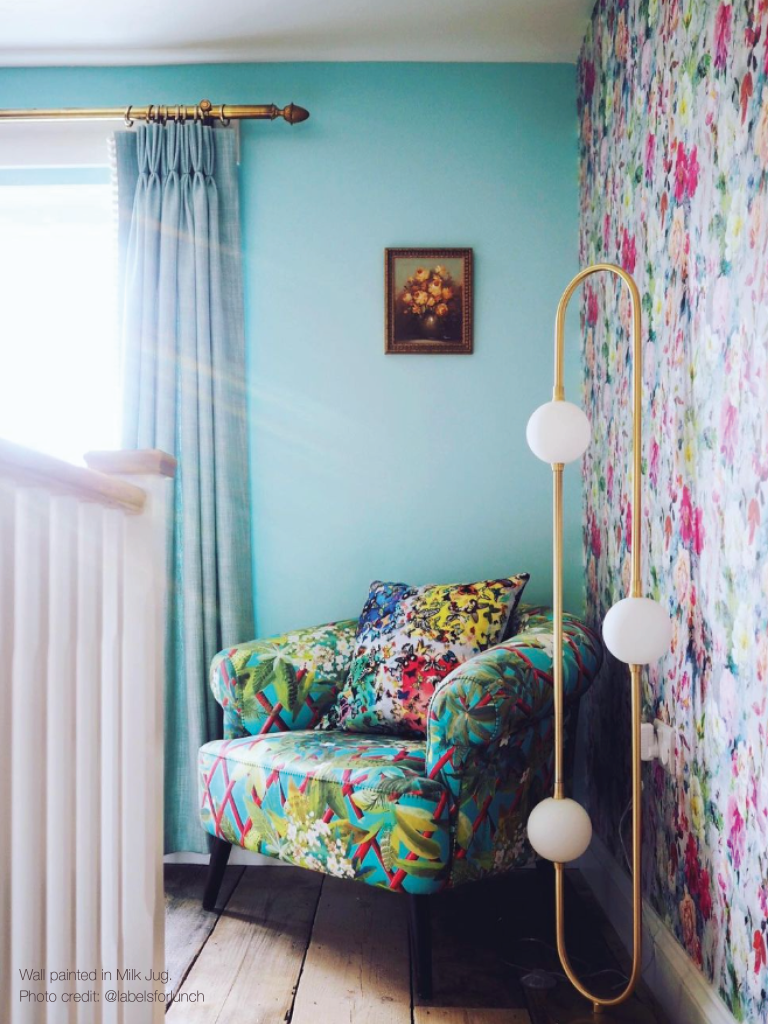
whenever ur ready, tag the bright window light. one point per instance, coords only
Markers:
(59, 388)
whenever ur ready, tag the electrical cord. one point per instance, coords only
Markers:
(538, 977)
(535, 977)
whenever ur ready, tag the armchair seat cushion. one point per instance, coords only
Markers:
(355, 806)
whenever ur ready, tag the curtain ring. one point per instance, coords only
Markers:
(178, 112)
(148, 116)
(225, 121)
(127, 117)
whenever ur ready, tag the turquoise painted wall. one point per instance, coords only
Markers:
(367, 466)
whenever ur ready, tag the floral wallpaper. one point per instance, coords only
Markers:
(673, 108)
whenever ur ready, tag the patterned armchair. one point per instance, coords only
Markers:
(408, 815)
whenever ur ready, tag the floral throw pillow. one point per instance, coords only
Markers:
(408, 639)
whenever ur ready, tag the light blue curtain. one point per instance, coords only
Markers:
(184, 392)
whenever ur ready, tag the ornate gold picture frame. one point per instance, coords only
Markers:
(428, 301)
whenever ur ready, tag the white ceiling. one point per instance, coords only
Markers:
(55, 32)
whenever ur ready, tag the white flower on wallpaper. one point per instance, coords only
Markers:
(674, 186)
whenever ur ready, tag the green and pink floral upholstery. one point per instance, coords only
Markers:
(406, 814)
(283, 683)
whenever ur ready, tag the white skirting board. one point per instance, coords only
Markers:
(677, 983)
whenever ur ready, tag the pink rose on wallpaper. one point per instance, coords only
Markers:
(734, 824)
(594, 536)
(692, 864)
(758, 945)
(722, 35)
(728, 428)
(686, 172)
(628, 252)
(685, 524)
(592, 307)
(609, 482)
(681, 172)
(692, 179)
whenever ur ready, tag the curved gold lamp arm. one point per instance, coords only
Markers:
(558, 394)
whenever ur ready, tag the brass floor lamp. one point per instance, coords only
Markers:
(636, 630)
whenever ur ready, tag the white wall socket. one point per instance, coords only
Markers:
(656, 741)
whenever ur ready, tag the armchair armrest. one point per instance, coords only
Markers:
(282, 682)
(506, 689)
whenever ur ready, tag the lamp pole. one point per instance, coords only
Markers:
(636, 630)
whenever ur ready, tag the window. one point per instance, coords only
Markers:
(59, 389)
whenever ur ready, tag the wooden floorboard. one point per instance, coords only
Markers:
(187, 924)
(357, 965)
(250, 965)
(286, 951)
(469, 1015)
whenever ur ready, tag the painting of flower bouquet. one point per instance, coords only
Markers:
(428, 296)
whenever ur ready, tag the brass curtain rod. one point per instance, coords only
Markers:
(204, 111)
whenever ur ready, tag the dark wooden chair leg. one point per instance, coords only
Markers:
(420, 927)
(216, 868)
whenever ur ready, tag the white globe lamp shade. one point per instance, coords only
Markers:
(637, 631)
(558, 432)
(559, 830)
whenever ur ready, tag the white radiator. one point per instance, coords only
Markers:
(82, 620)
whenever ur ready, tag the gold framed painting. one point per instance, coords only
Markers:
(428, 301)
